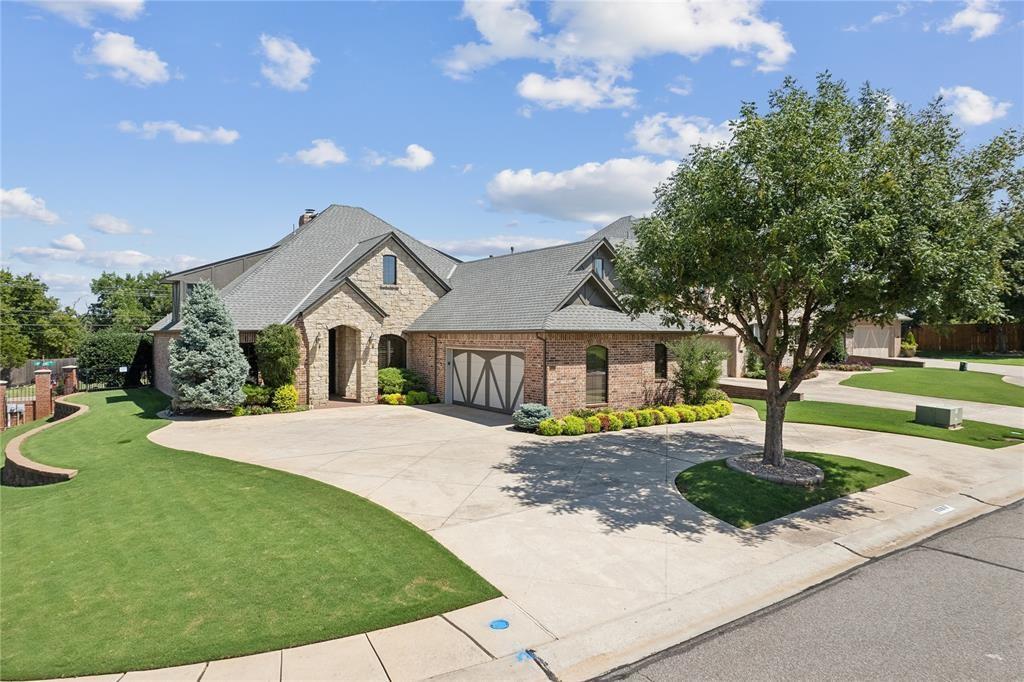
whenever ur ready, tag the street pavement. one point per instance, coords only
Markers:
(949, 608)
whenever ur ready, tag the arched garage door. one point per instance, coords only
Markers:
(492, 380)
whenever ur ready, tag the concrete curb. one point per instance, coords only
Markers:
(592, 652)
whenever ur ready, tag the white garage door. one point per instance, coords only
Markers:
(489, 379)
(872, 341)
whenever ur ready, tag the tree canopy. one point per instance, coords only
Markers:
(33, 324)
(823, 210)
(130, 303)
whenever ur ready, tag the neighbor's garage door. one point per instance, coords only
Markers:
(489, 379)
(871, 340)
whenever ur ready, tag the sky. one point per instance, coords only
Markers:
(160, 135)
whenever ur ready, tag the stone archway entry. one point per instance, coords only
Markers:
(344, 378)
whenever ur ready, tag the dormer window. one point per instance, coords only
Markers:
(390, 269)
(599, 267)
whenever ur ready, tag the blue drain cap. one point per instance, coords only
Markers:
(499, 624)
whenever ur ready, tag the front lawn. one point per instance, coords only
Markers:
(978, 434)
(155, 557)
(979, 387)
(1016, 359)
(744, 501)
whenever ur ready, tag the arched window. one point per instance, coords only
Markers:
(391, 351)
(597, 375)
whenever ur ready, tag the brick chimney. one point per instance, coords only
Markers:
(308, 215)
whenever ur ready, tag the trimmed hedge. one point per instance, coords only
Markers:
(573, 425)
(103, 353)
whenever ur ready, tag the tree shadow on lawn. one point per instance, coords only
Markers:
(627, 481)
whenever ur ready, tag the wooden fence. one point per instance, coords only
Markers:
(969, 338)
(23, 374)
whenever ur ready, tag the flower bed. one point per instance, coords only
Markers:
(410, 398)
(587, 421)
(266, 400)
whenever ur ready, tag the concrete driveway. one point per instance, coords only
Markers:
(579, 531)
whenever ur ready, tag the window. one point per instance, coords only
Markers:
(597, 375)
(599, 267)
(660, 361)
(391, 351)
(390, 270)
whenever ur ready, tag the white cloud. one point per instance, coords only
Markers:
(61, 281)
(82, 12)
(127, 62)
(497, 245)
(323, 153)
(980, 16)
(111, 224)
(680, 85)
(899, 11)
(126, 259)
(182, 135)
(416, 158)
(18, 203)
(973, 107)
(577, 92)
(70, 242)
(592, 192)
(601, 40)
(675, 136)
(287, 65)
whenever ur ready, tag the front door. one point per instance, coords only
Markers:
(492, 380)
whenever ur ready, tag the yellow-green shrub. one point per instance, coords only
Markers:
(593, 424)
(549, 427)
(393, 399)
(286, 398)
(614, 423)
(671, 416)
(644, 417)
(628, 419)
(573, 426)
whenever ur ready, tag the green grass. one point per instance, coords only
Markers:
(978, 434)
(744, 501)
(155, 557)
(979, 387)
(988, 358)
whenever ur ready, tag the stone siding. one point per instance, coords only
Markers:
(356, 344)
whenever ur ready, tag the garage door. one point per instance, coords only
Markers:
(489, 379)
(872, 340)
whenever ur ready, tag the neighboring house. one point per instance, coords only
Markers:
(540, 326)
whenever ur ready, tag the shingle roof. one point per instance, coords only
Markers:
(522, 292)
(620, 230)
(302, 265)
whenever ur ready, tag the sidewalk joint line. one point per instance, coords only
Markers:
(470, 637)
(203, 671)
(971, 558)
(280, 666)
(978, 499)
(379, 659)
(542, 664)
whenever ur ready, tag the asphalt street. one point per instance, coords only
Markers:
(949, 608)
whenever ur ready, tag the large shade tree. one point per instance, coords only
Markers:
(822, 210)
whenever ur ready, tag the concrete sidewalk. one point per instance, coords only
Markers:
(600, 559)
(826, 388)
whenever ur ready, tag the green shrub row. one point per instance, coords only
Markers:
(410, 398)
(264, 400)
(576, 425)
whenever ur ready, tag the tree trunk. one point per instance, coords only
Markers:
(774, 420)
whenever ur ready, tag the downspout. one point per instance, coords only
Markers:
(545, 340)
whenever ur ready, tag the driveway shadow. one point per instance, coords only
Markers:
(626, 481)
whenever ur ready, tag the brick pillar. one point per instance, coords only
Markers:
(3, 405)
(44, 396)
(70, 379)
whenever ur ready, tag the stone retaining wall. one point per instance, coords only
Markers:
(751, 392)
(19, 471)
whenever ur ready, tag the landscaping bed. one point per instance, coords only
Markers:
(979, 387)
(978, 434)
(580, 422)
(744, 501)
(154, 557)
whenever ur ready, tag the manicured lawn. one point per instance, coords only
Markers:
(988, 359)
(979, 434)
(744, 501)
(979, 387)
(154, 557)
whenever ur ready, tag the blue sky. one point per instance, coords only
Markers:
(140, 135)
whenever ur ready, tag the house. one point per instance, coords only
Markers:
(541, 326)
